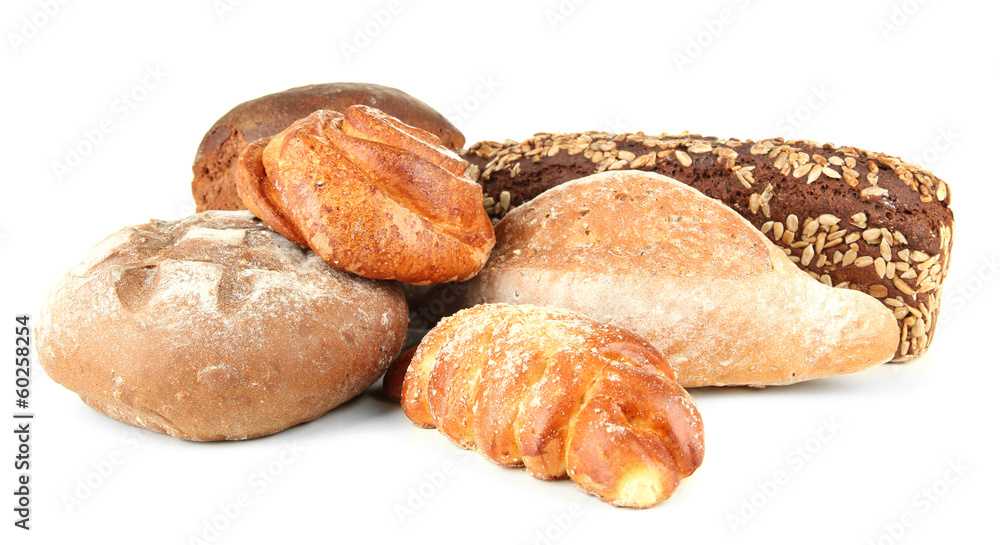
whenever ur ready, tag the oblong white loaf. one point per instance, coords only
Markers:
(650, 254)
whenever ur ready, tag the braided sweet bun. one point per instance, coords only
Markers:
(371, 195)
(562, 395)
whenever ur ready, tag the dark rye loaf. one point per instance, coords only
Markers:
(849, 217)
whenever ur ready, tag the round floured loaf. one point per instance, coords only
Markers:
(215, 327)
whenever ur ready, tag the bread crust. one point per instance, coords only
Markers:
(562, 395)
(652, 255)
(214, 183)
(848, 217)
(215, 327)
(371, 195)
(392, 381)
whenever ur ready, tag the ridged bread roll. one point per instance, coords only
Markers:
(649, 254)
(562, 395)
(371, 195)
(214, 183)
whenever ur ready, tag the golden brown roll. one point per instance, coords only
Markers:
(562, 395)
(371, 195)
(214, 183)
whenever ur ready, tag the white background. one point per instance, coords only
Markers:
(888, 75)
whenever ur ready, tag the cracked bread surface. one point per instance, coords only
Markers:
(215, 327)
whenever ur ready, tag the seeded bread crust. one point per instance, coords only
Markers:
(214, 183)
(848, 217)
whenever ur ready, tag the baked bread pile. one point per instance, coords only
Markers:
(629, 282)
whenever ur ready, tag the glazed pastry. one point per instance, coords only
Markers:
(560, 394)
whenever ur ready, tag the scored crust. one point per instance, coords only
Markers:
(371, 196)
(215, 327)
(214, 183)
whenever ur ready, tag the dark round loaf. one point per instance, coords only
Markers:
(849, 217)
(215, 327)
(214, 184)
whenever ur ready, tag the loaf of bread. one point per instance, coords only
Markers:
(848, 217)
(649, 254)
(215, 327)
(560, 394)
(214, 183)
(371, 195)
